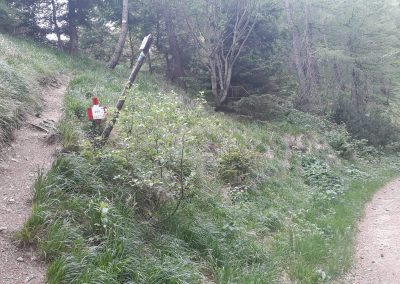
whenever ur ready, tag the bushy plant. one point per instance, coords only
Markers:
(372, 124)
(261, 106)
(340, 140)
(234, 166)
(319, 175)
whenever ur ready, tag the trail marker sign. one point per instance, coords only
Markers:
(96, 112)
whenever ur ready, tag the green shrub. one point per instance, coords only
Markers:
(372, 125)
(234, 166)
(340, 140)
(261, 106)
(319, 175)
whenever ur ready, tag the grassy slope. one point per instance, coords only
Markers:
(261, 201)
(24, 69)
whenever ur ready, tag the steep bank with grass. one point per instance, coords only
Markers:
(24, 69)
(184, 195)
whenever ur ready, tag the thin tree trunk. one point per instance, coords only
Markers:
(296, 45)
(73, 29)
(312, 72)
(121, 41)
(175, 68)
(56, 27)
(131, 45)
(149, 62)
(214, 81)
(225, 91)
(355, 92)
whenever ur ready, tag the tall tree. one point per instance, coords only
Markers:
(175, 68)
(77, 14)
(73, 26)
(55, 24)
(221, 29)
(122, 37)
(304, 54)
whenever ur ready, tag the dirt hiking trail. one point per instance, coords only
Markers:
(19, 165)
(378, 240)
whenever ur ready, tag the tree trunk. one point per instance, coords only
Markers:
(72, 25)
(214, 81)
(121, 41)
(56, 27)
(150, 63)
(175, 65)
(305, 61)
(227, 84)
(356, 96)
(131, 45)
(312, 72)
(296, 45)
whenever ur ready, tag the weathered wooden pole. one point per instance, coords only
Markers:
(144, 48)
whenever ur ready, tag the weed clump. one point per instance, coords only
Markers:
(234, 166)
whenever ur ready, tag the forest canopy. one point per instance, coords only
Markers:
(331, 58)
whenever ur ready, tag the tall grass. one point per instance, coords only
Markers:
(184, 195)
(24, 67)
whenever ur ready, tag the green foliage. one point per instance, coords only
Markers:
(7, 17)
(341, 141)
(25, 68)
(375, 127)
(18, 95)
(319, 175)
(69, 135)
(262, 107)
(105, 216)
(234, 166)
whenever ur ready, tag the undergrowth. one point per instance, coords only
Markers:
(181, 194)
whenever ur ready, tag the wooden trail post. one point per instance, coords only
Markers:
(144, 48)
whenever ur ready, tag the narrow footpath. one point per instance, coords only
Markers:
(378, 240)
(19, 166)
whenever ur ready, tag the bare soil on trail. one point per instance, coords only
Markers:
(19, 166)
(378, 240)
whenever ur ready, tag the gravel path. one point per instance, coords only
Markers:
(19, 165)
(378, 241)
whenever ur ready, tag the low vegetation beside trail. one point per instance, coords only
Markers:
(185, 195)
(246, 150)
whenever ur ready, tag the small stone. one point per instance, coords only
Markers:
(29, 279)
(369, 269)
(11, 200)
(20, 259)
(3, 229)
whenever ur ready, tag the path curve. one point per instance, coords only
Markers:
(378, 240)
(19, 165)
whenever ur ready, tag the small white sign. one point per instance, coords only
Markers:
(98, 112)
